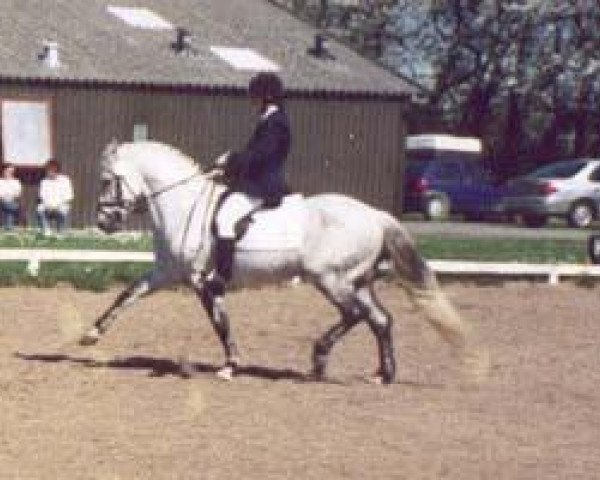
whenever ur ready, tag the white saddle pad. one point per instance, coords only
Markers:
(280, 228)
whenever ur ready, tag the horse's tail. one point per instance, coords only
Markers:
(421, 284)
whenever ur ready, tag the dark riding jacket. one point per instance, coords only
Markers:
(258, 169)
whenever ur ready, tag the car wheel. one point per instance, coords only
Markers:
(437, 208)
(581, 214)
(594, 249)
(532, 220)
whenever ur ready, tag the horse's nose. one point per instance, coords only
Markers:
(108, 221)
(102, 221)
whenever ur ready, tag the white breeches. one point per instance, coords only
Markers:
(235, 207)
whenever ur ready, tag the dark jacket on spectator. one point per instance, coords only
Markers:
(258, 169)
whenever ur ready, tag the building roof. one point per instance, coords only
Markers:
(97, 46)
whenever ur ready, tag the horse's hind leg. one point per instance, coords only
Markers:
(356, 302)
(380, 322)
(324, 344)
(352, 313)
(220, 322)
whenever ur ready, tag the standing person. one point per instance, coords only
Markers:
(55, 196)
(255, 173)
(10, 194)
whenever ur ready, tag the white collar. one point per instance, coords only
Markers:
(271, 109)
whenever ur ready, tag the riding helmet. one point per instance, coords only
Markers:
(266, 86)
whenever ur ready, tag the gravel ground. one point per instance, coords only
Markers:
(122, 411)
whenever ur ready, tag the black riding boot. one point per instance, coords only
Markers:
(224, 260)
(223, 266)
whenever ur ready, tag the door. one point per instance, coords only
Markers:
(448, 179)
(479, 192)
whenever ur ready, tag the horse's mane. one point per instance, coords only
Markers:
(114, 151)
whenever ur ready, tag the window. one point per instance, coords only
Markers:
(26, 132)
(565, 169)
(595, 175)
(448, 172)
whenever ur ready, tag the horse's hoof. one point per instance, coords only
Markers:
(314, 376)
(225, 373)
(380, 379)
(376, 380)
(186, 368)
(90, 338)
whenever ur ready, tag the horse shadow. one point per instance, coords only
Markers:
(162, 367)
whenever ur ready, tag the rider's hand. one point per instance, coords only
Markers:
(215, 173)
(222, 160)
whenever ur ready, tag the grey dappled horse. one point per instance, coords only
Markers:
(342, 245)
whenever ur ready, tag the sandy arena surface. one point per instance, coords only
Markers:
(122, 411)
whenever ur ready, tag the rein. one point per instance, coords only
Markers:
(178, 183)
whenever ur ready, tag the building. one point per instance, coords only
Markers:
(74, 75)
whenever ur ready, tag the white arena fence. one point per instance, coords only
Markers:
(34, 257)
(553, 272)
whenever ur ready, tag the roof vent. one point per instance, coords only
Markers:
(183, 43)
(49, 54)
(319, 49)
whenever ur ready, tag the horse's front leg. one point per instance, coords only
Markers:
(145, 285)
(219, 319)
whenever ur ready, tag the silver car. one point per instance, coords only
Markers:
(568, 189)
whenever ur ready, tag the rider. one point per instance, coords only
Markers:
(255, 173)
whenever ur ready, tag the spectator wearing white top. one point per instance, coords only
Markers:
(55, 196)
(10, 194)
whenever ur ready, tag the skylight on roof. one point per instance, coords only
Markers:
(140, 18)
(245, 59)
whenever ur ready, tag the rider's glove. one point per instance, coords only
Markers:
(222, 160)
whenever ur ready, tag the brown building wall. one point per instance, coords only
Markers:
(352, 146)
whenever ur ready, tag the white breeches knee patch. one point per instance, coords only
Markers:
(235, 207)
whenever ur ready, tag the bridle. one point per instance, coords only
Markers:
(140, 200)
(207, 195)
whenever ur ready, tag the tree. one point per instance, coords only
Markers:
(486, 65)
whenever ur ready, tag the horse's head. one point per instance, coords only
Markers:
(123, 190)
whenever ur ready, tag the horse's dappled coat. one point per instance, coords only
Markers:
(342, 243)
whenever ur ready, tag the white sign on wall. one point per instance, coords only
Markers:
(140, 132)
(26, 132)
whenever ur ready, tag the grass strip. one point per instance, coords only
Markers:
(77, 241)
(100, 276)
(96, 277)
(523, 250)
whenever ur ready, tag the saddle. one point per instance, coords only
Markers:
(273, 226)
(243, 224)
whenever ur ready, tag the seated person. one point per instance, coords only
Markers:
(10, 193)
(55, 196)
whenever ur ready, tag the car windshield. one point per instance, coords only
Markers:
(559, 170)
